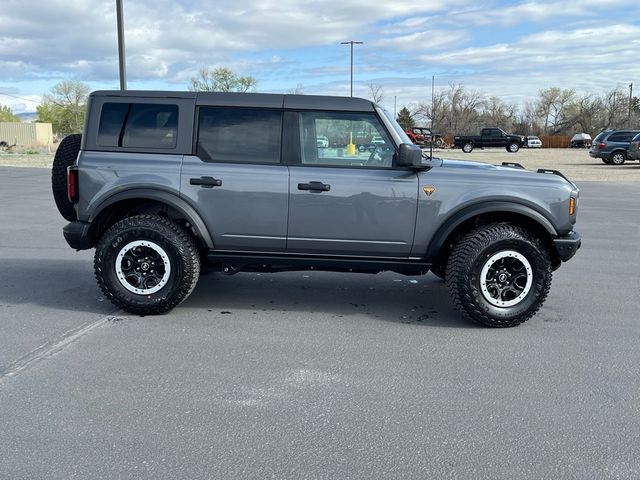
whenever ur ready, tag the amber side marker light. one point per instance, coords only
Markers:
(572, 206)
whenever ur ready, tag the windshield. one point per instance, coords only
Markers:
(397, 128)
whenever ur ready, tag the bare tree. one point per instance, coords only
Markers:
(299, 90)
(375, 92)
(552, 108)
(615, 105)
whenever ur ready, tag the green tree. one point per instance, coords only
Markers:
(64, 106)
(405, 119)
(6, 115)
(221, 80)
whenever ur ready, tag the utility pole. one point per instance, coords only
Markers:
(630, 104)
(351, 42)
(121, 55)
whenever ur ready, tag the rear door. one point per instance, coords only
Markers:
(236, 180)
(347, 202)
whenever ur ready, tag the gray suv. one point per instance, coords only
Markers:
(612, 146)
(163, 182)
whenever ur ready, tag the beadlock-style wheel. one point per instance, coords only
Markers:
(506, 279)
(146, 264)
(143, 267)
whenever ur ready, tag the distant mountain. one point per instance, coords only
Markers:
(28, 116)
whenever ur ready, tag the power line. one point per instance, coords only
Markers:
(19, 98)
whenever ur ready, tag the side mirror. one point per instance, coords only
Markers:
(409, 155)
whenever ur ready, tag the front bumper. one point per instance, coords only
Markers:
(78, 235)
(568, 245)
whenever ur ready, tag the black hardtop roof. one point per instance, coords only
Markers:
(264, 100)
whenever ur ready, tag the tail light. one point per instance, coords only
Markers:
(602, 145)
(72, 184)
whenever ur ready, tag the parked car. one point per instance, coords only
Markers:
(581, 140)
(532, 141)
(612, 146)
(423, 136)
(634, 148)
(489, 137)
(161, 182)
(323, 142)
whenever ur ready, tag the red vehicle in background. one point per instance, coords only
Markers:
(424, 136)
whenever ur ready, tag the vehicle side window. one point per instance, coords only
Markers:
(112, 119)
(239, 135)
(138, 125)
(151, 126)
(355, 140)
(621, 137)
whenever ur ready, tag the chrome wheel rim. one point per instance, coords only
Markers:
(467, 148)
(506, 279)
(513, 147)
(142, 267)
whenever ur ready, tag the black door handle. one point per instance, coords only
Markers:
(206, 182)
(314, 186)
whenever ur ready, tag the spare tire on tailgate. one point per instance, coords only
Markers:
(65, 156)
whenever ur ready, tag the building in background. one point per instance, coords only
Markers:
(26, 134)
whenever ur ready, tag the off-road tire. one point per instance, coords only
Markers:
(66, 156)
(438, 142)
(467, 147)
(473, 252)
(513, 147)
(174, 240)
(617, 158)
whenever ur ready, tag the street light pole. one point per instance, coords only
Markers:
(121, 55)
(351, 42)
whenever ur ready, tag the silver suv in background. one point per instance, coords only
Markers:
(162, 182)
(612, 146)
(634, 148)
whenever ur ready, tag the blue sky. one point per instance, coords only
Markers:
(507, 49)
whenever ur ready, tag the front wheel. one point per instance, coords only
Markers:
(513, 147)
(467, 147)
(146, 264)
(499, 275)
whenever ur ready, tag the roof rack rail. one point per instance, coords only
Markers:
(512, 164)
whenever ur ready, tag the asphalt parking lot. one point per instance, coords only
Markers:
(315, 375)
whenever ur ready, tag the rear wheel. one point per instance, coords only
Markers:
(499, 275)
(146, 264)
(66, 156)
(617, 158)
(467, 147)
(438, 142)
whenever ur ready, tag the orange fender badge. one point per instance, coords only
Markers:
(428, 190)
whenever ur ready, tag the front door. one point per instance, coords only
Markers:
(346, 200)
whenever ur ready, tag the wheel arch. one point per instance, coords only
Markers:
(470, 217)
(119, 205)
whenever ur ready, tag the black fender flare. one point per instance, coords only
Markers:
(460, 216)
(166, 197)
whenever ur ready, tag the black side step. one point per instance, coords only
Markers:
(231, 263)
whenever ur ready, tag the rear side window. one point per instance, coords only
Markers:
(599, 137)
(138, 125)
(621, 137)
(239, 135)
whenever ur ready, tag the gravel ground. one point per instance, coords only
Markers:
(574, 163)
